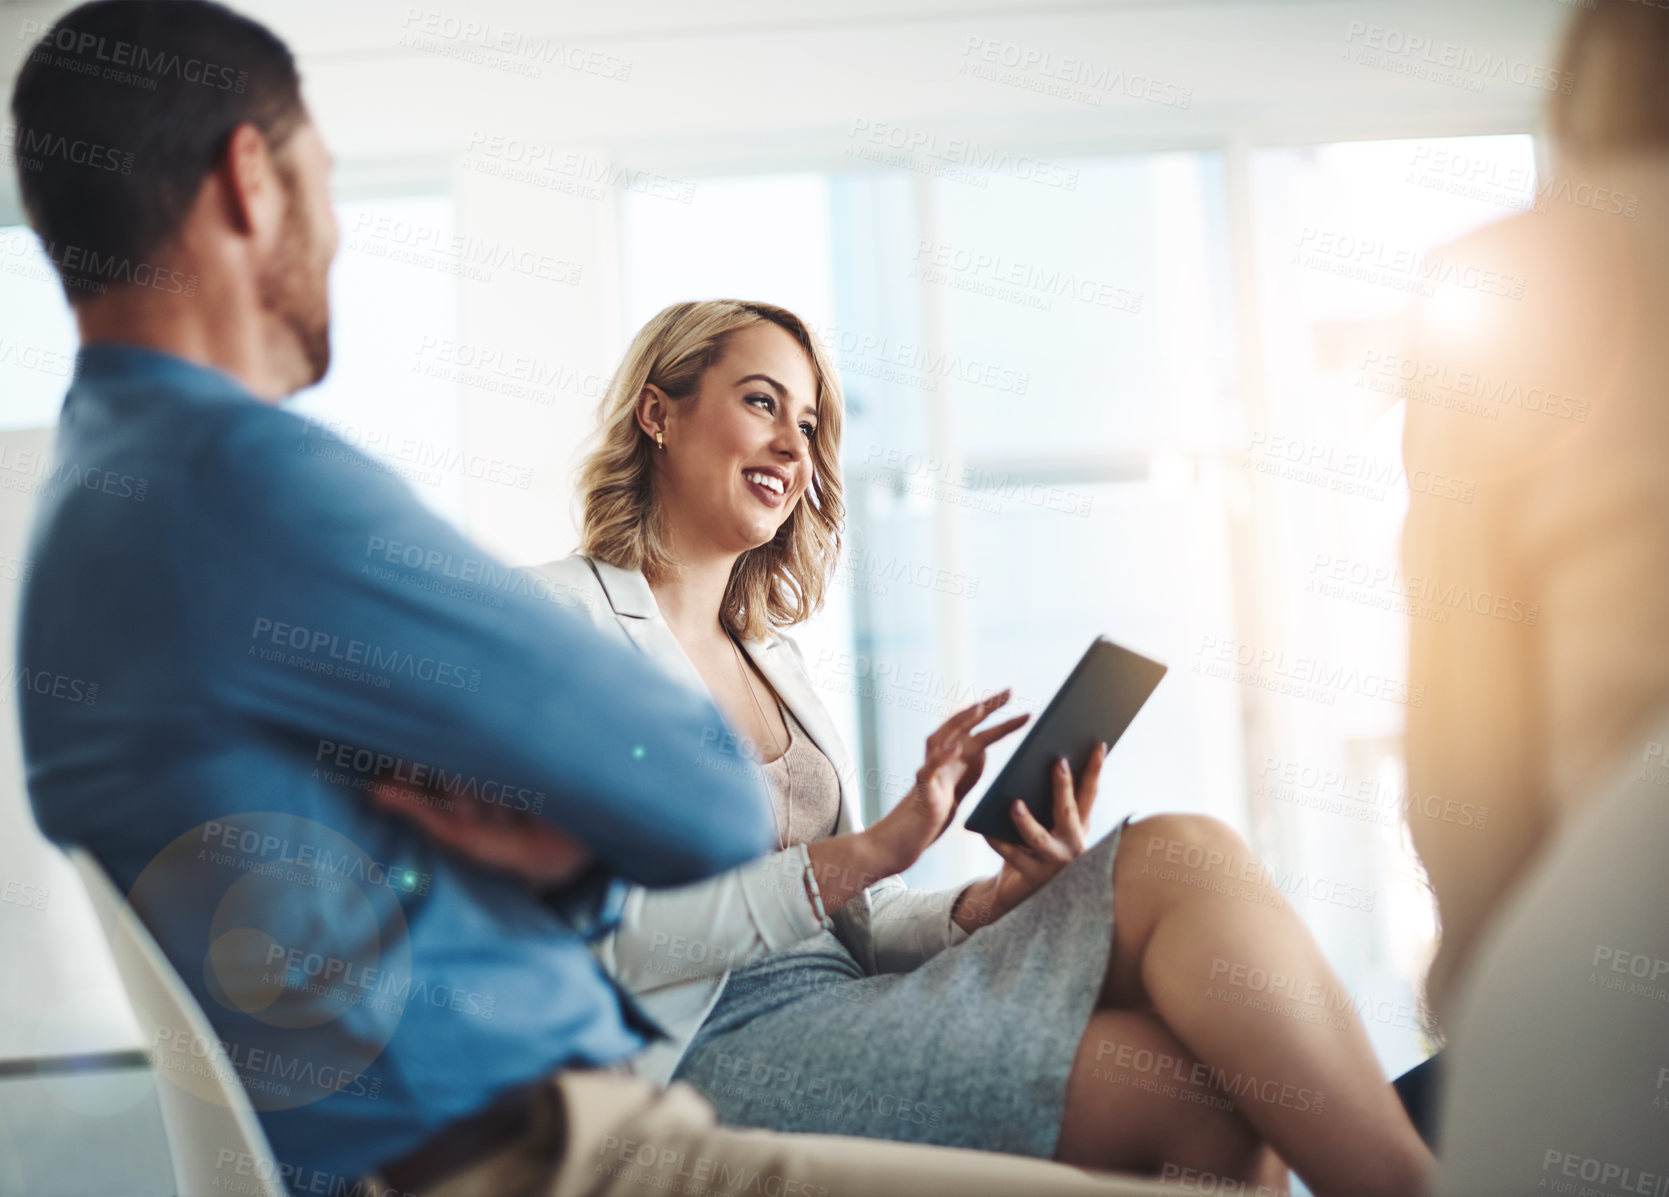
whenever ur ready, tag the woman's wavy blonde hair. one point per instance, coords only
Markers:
(775, 585)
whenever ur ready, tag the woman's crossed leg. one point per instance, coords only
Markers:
(1223, 1033)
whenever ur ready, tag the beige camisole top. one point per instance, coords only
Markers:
(804, 789)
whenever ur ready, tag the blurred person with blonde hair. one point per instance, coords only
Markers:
(1546, 693)
(1557, 663)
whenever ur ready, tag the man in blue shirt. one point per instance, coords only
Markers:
(239, 627)
(234, 628)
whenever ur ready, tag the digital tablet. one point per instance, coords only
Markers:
(1097, 702)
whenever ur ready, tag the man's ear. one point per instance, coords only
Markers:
(254, 192)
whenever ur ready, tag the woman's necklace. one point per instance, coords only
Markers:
(784, 827)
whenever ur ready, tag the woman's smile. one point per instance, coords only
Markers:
(769, 486)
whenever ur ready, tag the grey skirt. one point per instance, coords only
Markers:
(970, 1049)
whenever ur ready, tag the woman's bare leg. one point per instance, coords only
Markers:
(1202, 939)
(1136, 1102)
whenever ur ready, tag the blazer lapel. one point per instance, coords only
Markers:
(635, 608)
(637, 612)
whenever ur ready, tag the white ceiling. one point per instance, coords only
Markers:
(737, 85)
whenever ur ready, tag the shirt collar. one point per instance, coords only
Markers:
(107, 361)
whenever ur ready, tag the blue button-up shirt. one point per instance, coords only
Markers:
(235, 623)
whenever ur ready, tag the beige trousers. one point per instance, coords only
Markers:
(604, 1134)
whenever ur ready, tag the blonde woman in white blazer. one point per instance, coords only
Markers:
(811, 990)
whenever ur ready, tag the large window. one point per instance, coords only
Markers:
(1346, 237)
(1030, 433)
(388, 320)
(394, 386)
(1072, 396)
(37, 333)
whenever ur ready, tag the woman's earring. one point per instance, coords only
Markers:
(660, 442)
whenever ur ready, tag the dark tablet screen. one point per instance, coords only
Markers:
(1097, 702)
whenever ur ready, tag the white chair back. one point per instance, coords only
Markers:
(1557, 1068)
(217, 1146)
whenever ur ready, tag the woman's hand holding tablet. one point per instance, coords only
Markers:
(1094, 707)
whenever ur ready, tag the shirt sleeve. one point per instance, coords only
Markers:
(342, 614)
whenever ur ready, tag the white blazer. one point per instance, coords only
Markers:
(675, 948)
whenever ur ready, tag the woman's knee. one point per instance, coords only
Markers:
(1187, 850)
(1186, 840)
(1165, 862)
